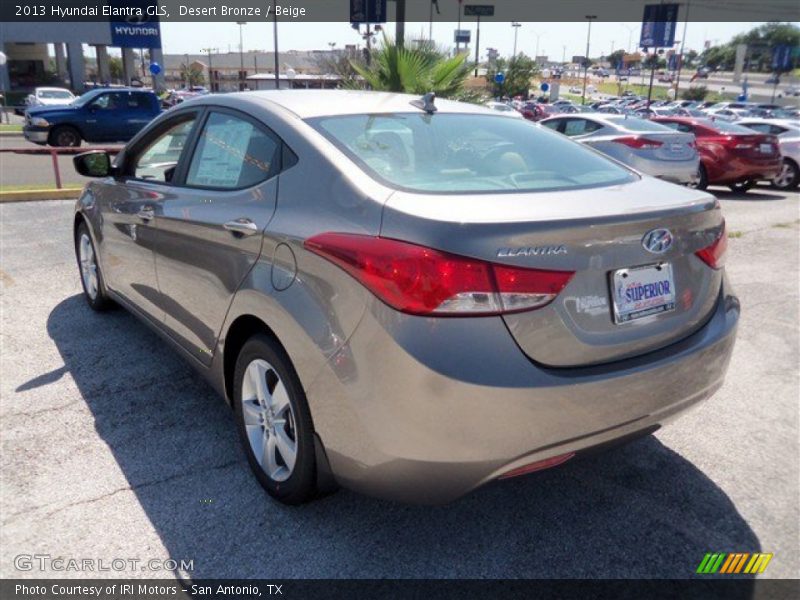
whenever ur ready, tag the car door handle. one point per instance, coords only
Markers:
(241, 226)
(146, 213)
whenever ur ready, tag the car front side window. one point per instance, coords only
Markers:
(159, 158)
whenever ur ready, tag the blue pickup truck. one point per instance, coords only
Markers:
(101, 115)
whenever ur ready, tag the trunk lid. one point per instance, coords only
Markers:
(593, 232)
(665, 146)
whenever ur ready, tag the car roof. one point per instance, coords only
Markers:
(319, 103)
(53, 89)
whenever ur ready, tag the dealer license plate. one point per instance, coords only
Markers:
(766, 148)
(640, 292)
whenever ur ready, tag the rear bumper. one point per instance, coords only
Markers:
(426, 410)
(676, 171)
(737, 169)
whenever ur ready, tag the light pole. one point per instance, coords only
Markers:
(630, 36)
(516, 27)
(683, 45)
(536, 53)
(589, 18)
(275, 35)
(241, 25)
(210, 67)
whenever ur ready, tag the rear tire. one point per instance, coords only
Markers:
(65, 136)
(789, 177)
(742, 186)
(702, 179)
(274, 421)
(94, 289)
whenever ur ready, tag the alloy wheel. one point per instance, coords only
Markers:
(787, 176)
(269, 420)
(88, 265)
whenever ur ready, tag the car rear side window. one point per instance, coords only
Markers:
(466, 153)
(232, 153)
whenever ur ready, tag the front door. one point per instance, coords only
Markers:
(210, 234)
(130, 207)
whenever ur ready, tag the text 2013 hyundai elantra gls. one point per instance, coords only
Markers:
(408, 297)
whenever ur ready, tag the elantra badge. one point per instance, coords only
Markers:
(532, 251)
(657, 241)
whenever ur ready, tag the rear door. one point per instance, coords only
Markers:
(210, 234)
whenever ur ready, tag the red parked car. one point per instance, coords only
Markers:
(730, 154)
(536, 111)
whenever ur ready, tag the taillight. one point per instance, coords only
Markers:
(423, 281)
(634, 141)
(714, 255)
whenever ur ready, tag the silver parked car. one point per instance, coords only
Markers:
(648, 147)
(408, 297)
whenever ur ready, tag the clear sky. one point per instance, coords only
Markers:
(554, 39)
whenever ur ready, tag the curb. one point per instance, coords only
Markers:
(10, 134)
(35, 195)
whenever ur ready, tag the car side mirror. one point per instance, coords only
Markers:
(95, 163)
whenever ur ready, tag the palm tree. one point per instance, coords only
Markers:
(415, 69)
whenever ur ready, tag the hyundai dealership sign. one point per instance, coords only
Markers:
(137, 31)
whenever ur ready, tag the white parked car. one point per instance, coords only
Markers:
(49, 96)
(505, 109)
(788, 132)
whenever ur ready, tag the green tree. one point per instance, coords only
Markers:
(192, 75)
(698, 93)
(413, 69)
(115, 67)
(760, 42)
(518, 72)
(615, 58)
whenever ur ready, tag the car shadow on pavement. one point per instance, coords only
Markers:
(636, 511)
(753, 195)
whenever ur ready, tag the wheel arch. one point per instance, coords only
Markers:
(240, 330)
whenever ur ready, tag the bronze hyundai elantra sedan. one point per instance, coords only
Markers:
(408, 297)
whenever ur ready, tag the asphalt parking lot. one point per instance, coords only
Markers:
(112, 447)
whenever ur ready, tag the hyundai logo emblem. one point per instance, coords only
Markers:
(657, 241)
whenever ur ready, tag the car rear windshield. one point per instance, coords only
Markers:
(637, 124)
(55, 94)
(467, 153)
(726, 127)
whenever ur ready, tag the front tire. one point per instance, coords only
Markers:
(789, 177)
(742, 186)
(65, 136)
(274, 421)
(94, 289)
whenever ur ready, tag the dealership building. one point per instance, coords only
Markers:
(27, 48)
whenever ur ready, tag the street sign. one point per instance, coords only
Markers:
(478, 10)
(545, 87)
(155, 68)
(782, 58)
(500, 77)
(461, 36)
(368, 11)
(658, 26)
